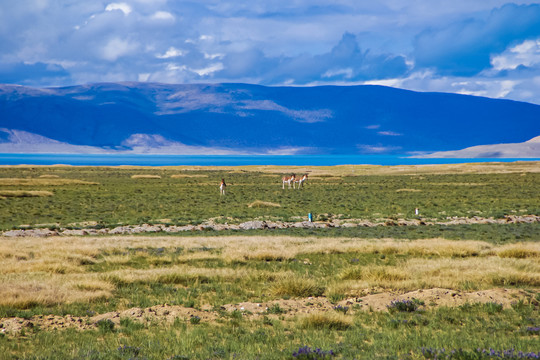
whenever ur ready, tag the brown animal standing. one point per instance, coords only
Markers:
(288, 180)
(301, 180)
(222, 187)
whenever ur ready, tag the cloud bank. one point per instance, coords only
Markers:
(489, 48)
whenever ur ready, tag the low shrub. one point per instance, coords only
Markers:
(479, 354)
(404, 305)
(275, 309)
(333, 321)
(493, 307)
(298, 287)
(307, 353)
(342, 309)
(105, 325)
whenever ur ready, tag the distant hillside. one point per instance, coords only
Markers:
(527, 149)
(241, 118)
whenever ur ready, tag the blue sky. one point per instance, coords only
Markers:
(480, 47)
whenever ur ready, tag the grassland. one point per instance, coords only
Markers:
(127, 195)
(330, 293)
(430, 292)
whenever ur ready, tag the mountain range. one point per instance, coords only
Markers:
(252, 119)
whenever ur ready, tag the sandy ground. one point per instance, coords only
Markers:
(290, 308)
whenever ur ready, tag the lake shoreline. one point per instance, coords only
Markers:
(7, 159)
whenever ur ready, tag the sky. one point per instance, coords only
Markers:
(479, 47)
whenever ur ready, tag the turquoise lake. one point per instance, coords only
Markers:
(231, 160)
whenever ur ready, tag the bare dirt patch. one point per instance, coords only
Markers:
(276, 309)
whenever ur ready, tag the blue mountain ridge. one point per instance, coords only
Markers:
(319, 119)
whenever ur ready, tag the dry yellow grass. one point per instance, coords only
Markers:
(49, 176)
(174, 275)
(234, 248)
(28, 255)
(432, 247)
(456, 184)
(263, 204)
(325, 320)
(375, 274)
(359, 170)
(145, 177)
(43, 182)
(458, 274)
(23, 193)
(30, 290)
(54, 270)
(519, 251)
(521, 167)
(349, 288)
(246, 248)
(179, 176)
(452, 273)
(293, 285)
(408, 190)
(325, 178)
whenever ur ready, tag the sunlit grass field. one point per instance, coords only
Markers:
(85, 276)
(110, 196)
(283, 294)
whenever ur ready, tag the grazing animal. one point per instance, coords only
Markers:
(288, 180)
(301, 180)
(222, 187)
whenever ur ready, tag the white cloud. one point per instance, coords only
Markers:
(376, 149)
(489, 87)
(157, 144)
(125, 8)
(163, 15)
(174, 67)
(143, 77)
(209, 69)
(214, 56)
(389, 133)
(519, 86)
(272, 43)
(170, 53)
(116, 48)
(347, 73)
(152, 2)
(525, 54)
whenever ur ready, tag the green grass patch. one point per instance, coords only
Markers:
(366, 335)
(116, 198)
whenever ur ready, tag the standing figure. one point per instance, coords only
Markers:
(222, 187)
(301, 180)
(288, 180)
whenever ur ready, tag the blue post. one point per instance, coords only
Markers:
(310, 217)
